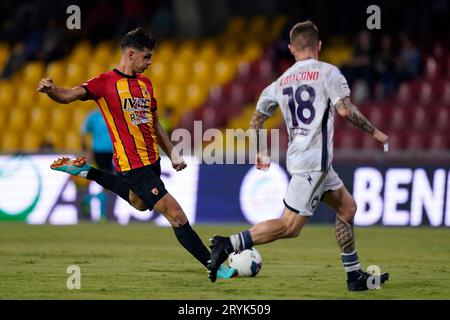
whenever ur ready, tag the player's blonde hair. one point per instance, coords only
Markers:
(304, 35)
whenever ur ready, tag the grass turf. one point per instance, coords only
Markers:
(141, 261)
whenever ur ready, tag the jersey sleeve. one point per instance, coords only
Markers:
(267, 102)
(337, 86)
(94, 88)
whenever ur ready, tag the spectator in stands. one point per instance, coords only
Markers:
(408, 62)
(384, 66)
(361, 63)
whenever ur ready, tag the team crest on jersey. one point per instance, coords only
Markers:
(155, 191)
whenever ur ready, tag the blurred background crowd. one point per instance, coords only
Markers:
(214, 58)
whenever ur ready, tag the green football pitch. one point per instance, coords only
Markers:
(141, 261)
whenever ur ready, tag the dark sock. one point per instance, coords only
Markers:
(109, 181)
(241, 241)
(190, 240)
(351, 265)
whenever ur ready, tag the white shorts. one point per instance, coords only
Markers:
(305, 190)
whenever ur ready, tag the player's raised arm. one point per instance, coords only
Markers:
(58, 94)
(164, 142)
(351, 113)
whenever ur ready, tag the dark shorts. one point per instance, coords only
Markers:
(104, 161)
(146, 183)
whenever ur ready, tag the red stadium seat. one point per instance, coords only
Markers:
(396, 140)
(437, 141)
(399, 118)
(420, 118)
(441, 119)
(404, 95)
(415, 141)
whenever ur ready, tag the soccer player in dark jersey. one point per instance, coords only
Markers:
(128, 105)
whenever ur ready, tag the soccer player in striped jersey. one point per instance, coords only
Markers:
(128, 105)
(308, 94)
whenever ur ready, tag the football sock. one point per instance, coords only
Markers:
(109, 181)
(190, 240)
(241, 241)
(351, 265)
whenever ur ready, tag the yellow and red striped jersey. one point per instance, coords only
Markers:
(128, 106)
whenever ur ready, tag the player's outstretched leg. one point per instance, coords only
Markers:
(344, 205)
(81, 168)
(288, 226)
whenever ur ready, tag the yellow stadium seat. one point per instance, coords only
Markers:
(7, 95)
(75, 74)
(56, 139)
(195, 96)
(57, 71)
(103, 53)
(180, 72)
(174, 96)
(165, 52)
(33, 73)
(157, 72)
(201, 71)
(252, 51)
(78, 116)
(224, 71)
(187, 51)
(31, 141)
(3, 118)
(4, 54)
(72, 141)
(257, 28)
(276, 27)
(236, 27)
(81, 53)
(18, 119)
(95, 69)
(27, 97)
(208, 52)
(39, 118)
(59, 118)
(10, 141)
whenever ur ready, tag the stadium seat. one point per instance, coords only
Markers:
(75, 74)
(33, 73)
(39, 118)
(201, 72)
(186, 52)
(252, 51)
(81, 53)
(420, 119)
(399, 118)
(7, 95)
(208, 52)
(55, 139)
(180, 72)
(56, 70)
(10, 141)
(195, 96)
(404, 94)
(158, 72)
(415, 141)
(18, 119)
(59, 118)
(441, 119)
(396, 140)
(72, 141)
(437, 141)
(27, 97)
(31, 141)
(224, 71)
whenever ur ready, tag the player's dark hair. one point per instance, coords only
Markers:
(138, 39)
(304, 35)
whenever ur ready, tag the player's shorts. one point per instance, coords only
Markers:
(306, 190)
(146, 183)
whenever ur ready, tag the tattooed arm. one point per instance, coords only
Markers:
(349, 111)
(256, 124)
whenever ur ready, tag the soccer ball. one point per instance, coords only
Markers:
(247, 262)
